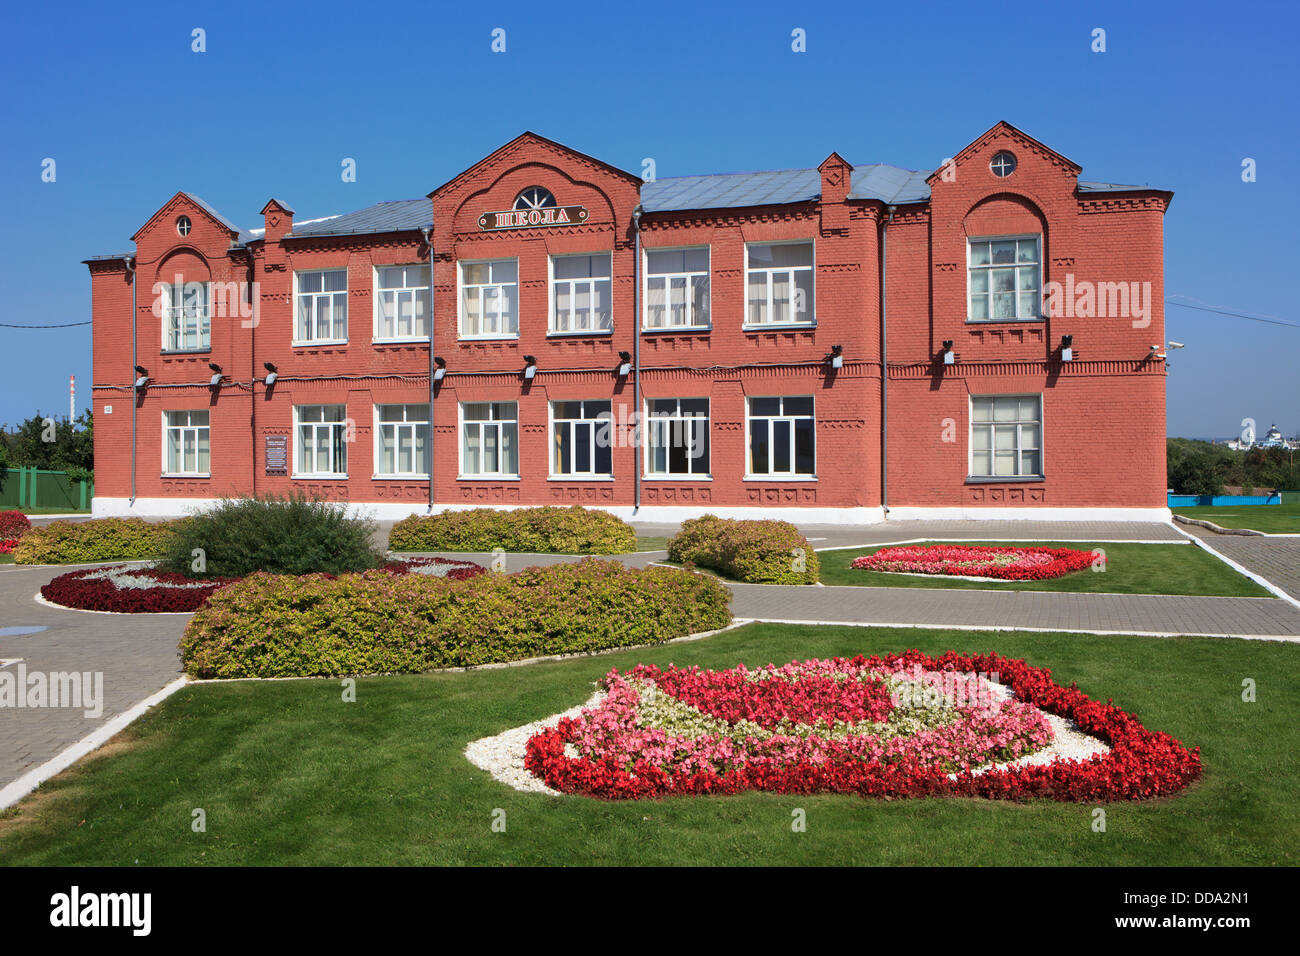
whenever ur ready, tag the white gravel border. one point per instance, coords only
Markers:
(503, 755)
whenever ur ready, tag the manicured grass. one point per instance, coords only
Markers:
(6, 559)
(1130, 569)
(53, 511)
(651, 543)
(290, 774)
(1270, 519)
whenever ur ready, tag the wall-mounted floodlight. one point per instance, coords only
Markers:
(949, 356)
(440, 369)
(530, 368)
(272, 373)
(836, 358)
(143, 376)
(1067, 348)
(624, 364)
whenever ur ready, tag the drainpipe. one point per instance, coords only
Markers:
(636, 358)
(130, 267)
(428, 241)
(884, 373)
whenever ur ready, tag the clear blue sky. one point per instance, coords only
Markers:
(414, 93)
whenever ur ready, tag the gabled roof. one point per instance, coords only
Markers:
(238, 234)
(536, 138)
(398, 215)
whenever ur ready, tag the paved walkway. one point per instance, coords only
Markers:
(137, 655)
(1277, 559)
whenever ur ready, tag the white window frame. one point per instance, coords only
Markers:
(771, 474)
(460, 298)
(811, 321)
(650, 432)
(552, 283)
(689, 276)
(1017, 266)
(596, 421)
(420, 292)
(406, 425)
(991, 426)
(168, 428)
(172, 314)
(460, 441)
(298, 296)
(298, 423)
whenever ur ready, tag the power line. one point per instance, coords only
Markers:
(1235, 315)
(66, 325)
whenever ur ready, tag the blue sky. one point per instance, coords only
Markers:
(1184, 92)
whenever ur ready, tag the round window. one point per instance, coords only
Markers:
(1003, 164)
(534, 197)
(183, 226)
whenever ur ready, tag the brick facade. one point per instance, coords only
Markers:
(1102, 413)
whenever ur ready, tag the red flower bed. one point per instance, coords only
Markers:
(7, 547)
(13, 525)
(1141, 764)
(147, 591)
(980, 561)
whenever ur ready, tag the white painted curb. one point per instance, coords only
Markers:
(1245, 572)
(29, 781)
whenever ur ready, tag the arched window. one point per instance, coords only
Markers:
(534, 197)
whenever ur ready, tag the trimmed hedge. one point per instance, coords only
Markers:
(100, 539)
(545, 530)
(756, 552)
(275, 626)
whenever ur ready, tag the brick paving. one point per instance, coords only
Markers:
(1277, 559)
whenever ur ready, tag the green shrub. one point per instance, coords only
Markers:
(545, 530)
(758, 552)
(275, 626)
(100, 539)
(294, 535)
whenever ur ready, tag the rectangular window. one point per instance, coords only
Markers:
(489, 294)
(402, 440)
(1006, 436)
(581, 439)
(580, 294)
(187, 325)
(677, 288)
(320, 447)
(679, 436)
(322, 305)
(401, 302)
(1004, 279)
(779, 285)
(782, 437)
(489, 446)
(186, 443)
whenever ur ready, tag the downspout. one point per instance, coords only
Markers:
(135, 392)
(884, 372)
(636, 359)
(429, 244)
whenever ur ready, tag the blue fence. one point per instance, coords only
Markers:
(1193, 501)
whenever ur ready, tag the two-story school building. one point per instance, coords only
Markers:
(831, 344)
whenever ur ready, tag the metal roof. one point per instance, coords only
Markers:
(211, 211)
(398, 215)
(1112, 188)
(732, 190)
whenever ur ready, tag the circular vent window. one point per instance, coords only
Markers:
(1003, 164)
(183, 226)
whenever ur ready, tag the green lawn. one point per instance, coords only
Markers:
(1130, 569)
(651, 543)
(1270, 519)
(289, 774)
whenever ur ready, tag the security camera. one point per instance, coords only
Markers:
(1176, 345)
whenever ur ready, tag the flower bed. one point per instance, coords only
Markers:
(147, 590)
(979, 561)
(902, 725)
(13, 525)
(7, 547)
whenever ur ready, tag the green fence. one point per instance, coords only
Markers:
(33, 488)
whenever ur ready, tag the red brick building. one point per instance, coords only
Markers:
(829, 344)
